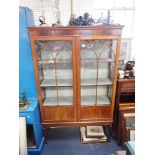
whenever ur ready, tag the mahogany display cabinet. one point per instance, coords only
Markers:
(76, 73)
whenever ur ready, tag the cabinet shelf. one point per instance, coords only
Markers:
(63, 101)
(60, 82)
(90, 100)
(92, 82)
(51, 62)
(69, 82)
(68, 101)
(107, 60)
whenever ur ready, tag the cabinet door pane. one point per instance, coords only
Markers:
(55, 72)
(97, 70)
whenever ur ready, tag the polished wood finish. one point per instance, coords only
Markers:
(95, 112)
(120, 128)
(126, 106)
(114, 30)
(127, 87)
(61, 113)
(76, 115)
(89, 122)
(126, 129)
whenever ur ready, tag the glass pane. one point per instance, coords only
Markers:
(64, 96)
(88, 95)
(55, 72)
(102, 95)
(97, 70)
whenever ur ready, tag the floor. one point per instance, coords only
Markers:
(66, 141)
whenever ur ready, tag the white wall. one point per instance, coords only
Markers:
(122, 11)
(46, 6)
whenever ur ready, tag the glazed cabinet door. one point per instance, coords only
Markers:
(97, 77)
(55, 75)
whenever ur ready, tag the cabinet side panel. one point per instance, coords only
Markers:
(115, 75)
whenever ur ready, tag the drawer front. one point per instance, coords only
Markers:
(128, 87)
(29, 117)
(126, 106)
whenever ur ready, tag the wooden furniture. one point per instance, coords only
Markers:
(125, 103)
(121, 118)
(128, 126)
(76, 73)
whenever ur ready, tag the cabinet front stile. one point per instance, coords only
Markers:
(35, 63)
(78, 77)
(115, 75)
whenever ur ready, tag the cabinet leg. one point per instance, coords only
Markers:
(107, 133)
(45, 133)
(113, 132)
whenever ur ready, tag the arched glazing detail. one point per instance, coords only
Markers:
(55, 72)
(97, 69)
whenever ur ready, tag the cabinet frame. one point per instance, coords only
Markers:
(75, 34)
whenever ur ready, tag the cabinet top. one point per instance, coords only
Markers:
(109, 30)
(126, 80)
(78, 27)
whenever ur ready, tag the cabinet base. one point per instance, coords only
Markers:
(101, 122)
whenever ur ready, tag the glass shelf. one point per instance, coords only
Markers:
(52, 62)
(101, 60)
(60, 82)
(61, 61)
(92, 81)
(68, 82)
(85, 100)
(57, 66)
(101, 100)
(63, 101)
